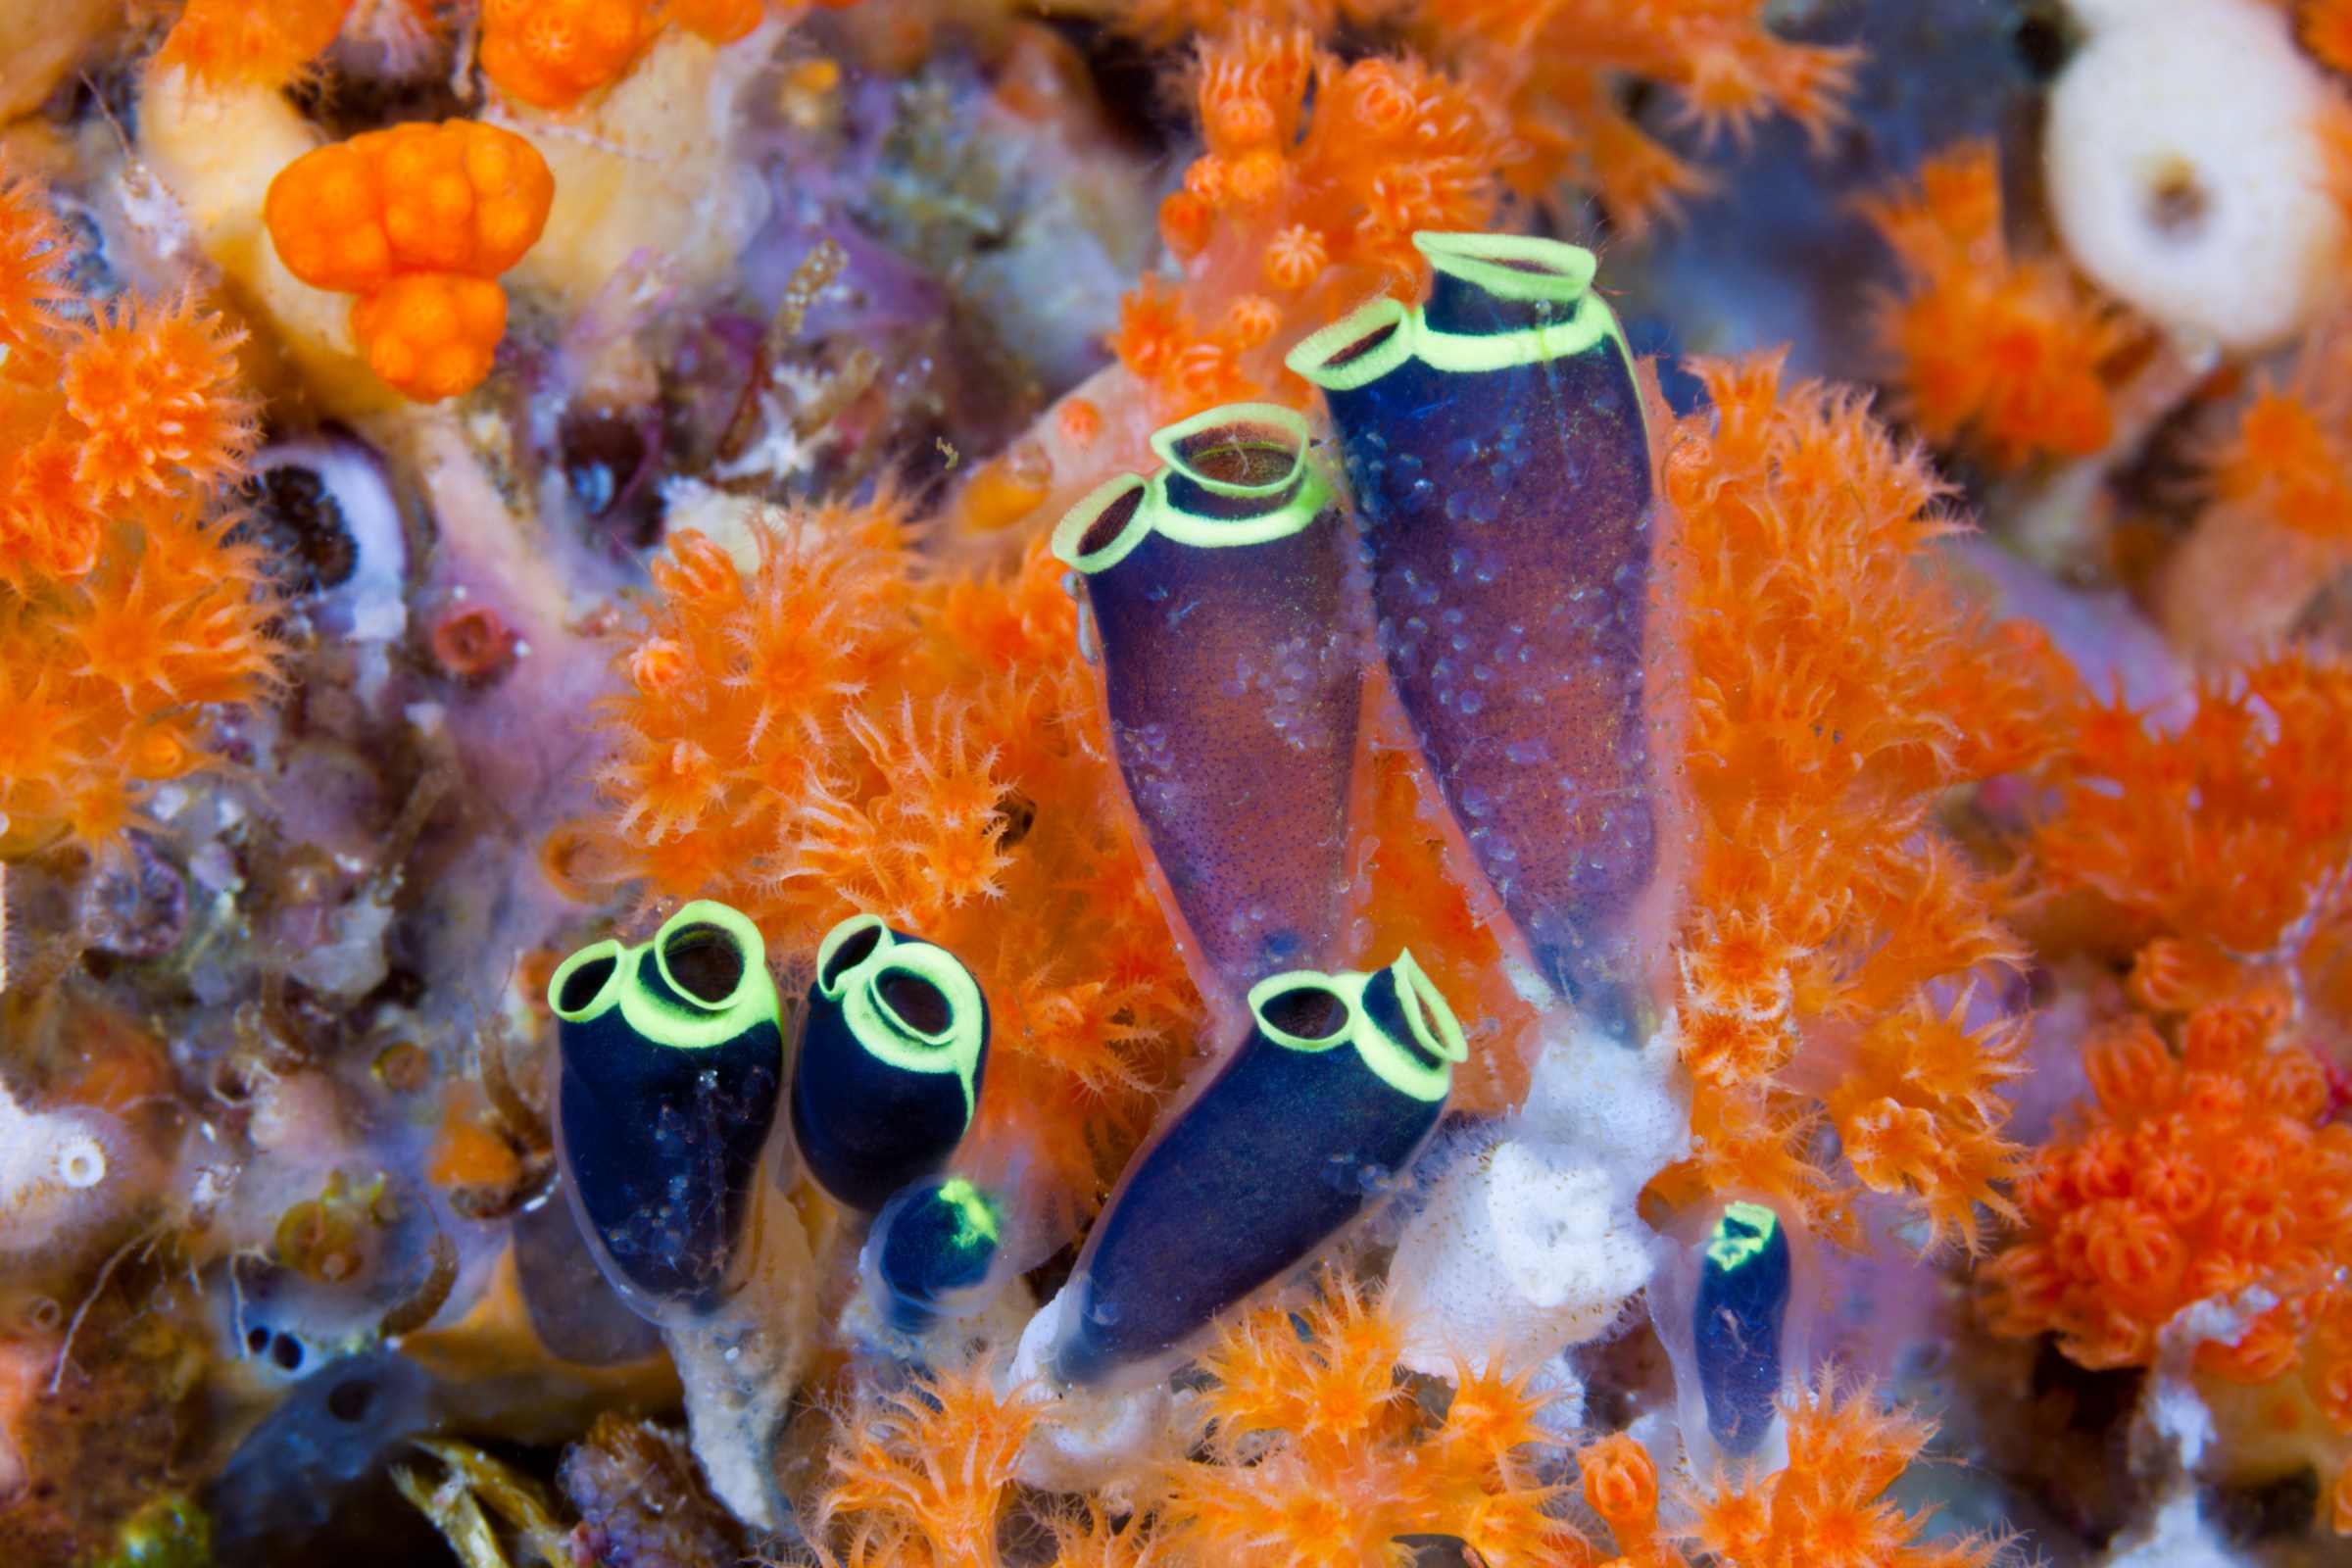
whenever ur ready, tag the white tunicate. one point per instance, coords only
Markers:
(2189, 169)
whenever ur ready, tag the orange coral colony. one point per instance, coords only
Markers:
(551, 54)
(1314, 1455)
(2218, 844)
(233, 40)
(1839, 686)
(2005, 355)
(419, 221)
(2197, 1175)
(126, 605)
(1317, 173)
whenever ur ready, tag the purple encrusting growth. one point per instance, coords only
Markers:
(1233, 673)
(1500, 461)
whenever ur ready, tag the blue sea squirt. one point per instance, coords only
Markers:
(1217, 594)
(672, 1064)
(1499, 458)
(1300, 1132)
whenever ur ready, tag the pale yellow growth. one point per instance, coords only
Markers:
(647, 165)
(40, 42)
(216, 150)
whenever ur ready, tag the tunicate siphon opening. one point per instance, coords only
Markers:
(1430, 1020)
(703, 962)
(1306, 1012)
(1110, 523)
(916, 1003)
(1361, 345)
(849, 955)
(351, 1400)
(1249, 456)
(580, 987)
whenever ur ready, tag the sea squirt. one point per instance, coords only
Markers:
(672, 1064)
(1300, 1132)
(890, 1062)
(1217, 590)
(1500, 460)
(1733, 1302)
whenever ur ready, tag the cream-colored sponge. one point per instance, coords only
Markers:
(2189, 170)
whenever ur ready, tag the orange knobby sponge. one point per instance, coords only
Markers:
(552, 53)
(418, 220)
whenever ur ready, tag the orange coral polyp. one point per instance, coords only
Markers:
(1826, 1505)
(239, 41)
(1314, 1454)
(155, 387)
(552, 53)
(2001, 354)
(431, 336)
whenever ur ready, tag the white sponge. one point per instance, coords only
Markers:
(2189, 173)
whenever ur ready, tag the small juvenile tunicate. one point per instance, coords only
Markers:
(936, 1252)
(1731, 1303)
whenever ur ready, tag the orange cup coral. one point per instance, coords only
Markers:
(418, 220)
(551, 54)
